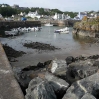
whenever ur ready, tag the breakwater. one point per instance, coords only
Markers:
(15, 24)
(9, 87)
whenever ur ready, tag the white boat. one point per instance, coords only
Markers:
(36, 29)
(18, 31)
(11, 33)
(64, 30)
(48, 24)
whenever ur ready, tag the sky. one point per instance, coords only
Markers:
(63, 5)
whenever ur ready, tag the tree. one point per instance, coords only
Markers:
(7, 11)
(71, 14)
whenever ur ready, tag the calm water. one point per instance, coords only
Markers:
(69, 44)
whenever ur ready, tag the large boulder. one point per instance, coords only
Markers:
(80, 69)
(59, 85)
(23, 79)
(88, 96)
(87, 85)
(70, 59)
(59, 82)
(58, 67)
(39, 89)
(94, 57)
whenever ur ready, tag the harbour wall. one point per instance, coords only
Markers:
(15, 24)
(9, 87)
(69, 23)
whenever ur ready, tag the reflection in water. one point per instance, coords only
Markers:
(54, 35)
(83, 40)
(87, 43)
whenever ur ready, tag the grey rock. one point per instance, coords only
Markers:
(70, 59)
(39, 89)
(96, 63)
(59, 85)
(80, 70)
(88, 96)
(58, 67)
(87, 85)
(60, 82)
(94, 57)
(50, 85)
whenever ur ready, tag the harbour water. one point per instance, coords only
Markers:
(70, 46)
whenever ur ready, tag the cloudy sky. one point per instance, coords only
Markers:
(64, 5)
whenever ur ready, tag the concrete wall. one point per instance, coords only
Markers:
(9, 87)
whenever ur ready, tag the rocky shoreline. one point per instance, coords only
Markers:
(40, 46)
(72, 78)
(12, 53)
(87, 27)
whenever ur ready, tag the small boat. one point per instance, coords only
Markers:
(64, 30)
(11, 33)
(36, 29)
(48, 24)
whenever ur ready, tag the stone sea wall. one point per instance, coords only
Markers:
(69, 23)
(9, 87)
(15, 24)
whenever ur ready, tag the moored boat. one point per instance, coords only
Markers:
(64, 30)
(11, 33)
(48, 24)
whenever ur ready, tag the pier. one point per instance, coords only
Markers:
(9, 87)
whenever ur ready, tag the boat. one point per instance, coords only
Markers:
(48, 24)
(11, 33)
(64, 30)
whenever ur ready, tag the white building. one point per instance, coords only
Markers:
(60, 16)
(3, 5)
(22, 14)
(67, 16)
(81, 15)
(33, 15)
(55, 17)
